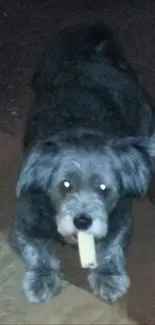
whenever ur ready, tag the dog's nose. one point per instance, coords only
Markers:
(82, 222)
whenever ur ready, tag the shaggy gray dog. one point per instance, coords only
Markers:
(88, 152)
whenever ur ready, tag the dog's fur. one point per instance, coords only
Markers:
(91, 124)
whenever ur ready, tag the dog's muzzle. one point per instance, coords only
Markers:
(69, 227)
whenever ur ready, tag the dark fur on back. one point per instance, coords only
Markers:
(88, 94)
(90, 119)
(90, 85)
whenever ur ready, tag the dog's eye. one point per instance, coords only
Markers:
(102, 187)
(104, 190)
(67, 186)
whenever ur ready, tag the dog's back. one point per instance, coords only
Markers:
(71, 46)
(84, 82)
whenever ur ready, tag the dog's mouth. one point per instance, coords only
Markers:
(67, 229)
(73, 239)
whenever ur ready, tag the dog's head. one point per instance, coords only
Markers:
(86, 185)
(84, 191)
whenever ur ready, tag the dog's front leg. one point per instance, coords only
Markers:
(32, 238)
(110, 280)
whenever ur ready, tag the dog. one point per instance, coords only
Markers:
(88, 152)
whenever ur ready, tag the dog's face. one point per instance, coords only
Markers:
(85, 184)
(84, 190)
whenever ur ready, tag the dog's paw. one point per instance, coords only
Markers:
(42, 288)
(109, 287)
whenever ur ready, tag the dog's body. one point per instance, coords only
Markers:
(87, 155)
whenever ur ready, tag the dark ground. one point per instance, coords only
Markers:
(25, 29)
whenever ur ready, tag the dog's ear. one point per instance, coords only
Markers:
(38, 166)
(111, 50)
(133, 164)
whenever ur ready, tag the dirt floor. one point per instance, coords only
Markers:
(25, 29)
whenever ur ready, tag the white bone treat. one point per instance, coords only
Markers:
(86, 245)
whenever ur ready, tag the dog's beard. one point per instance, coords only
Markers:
(82, 203)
